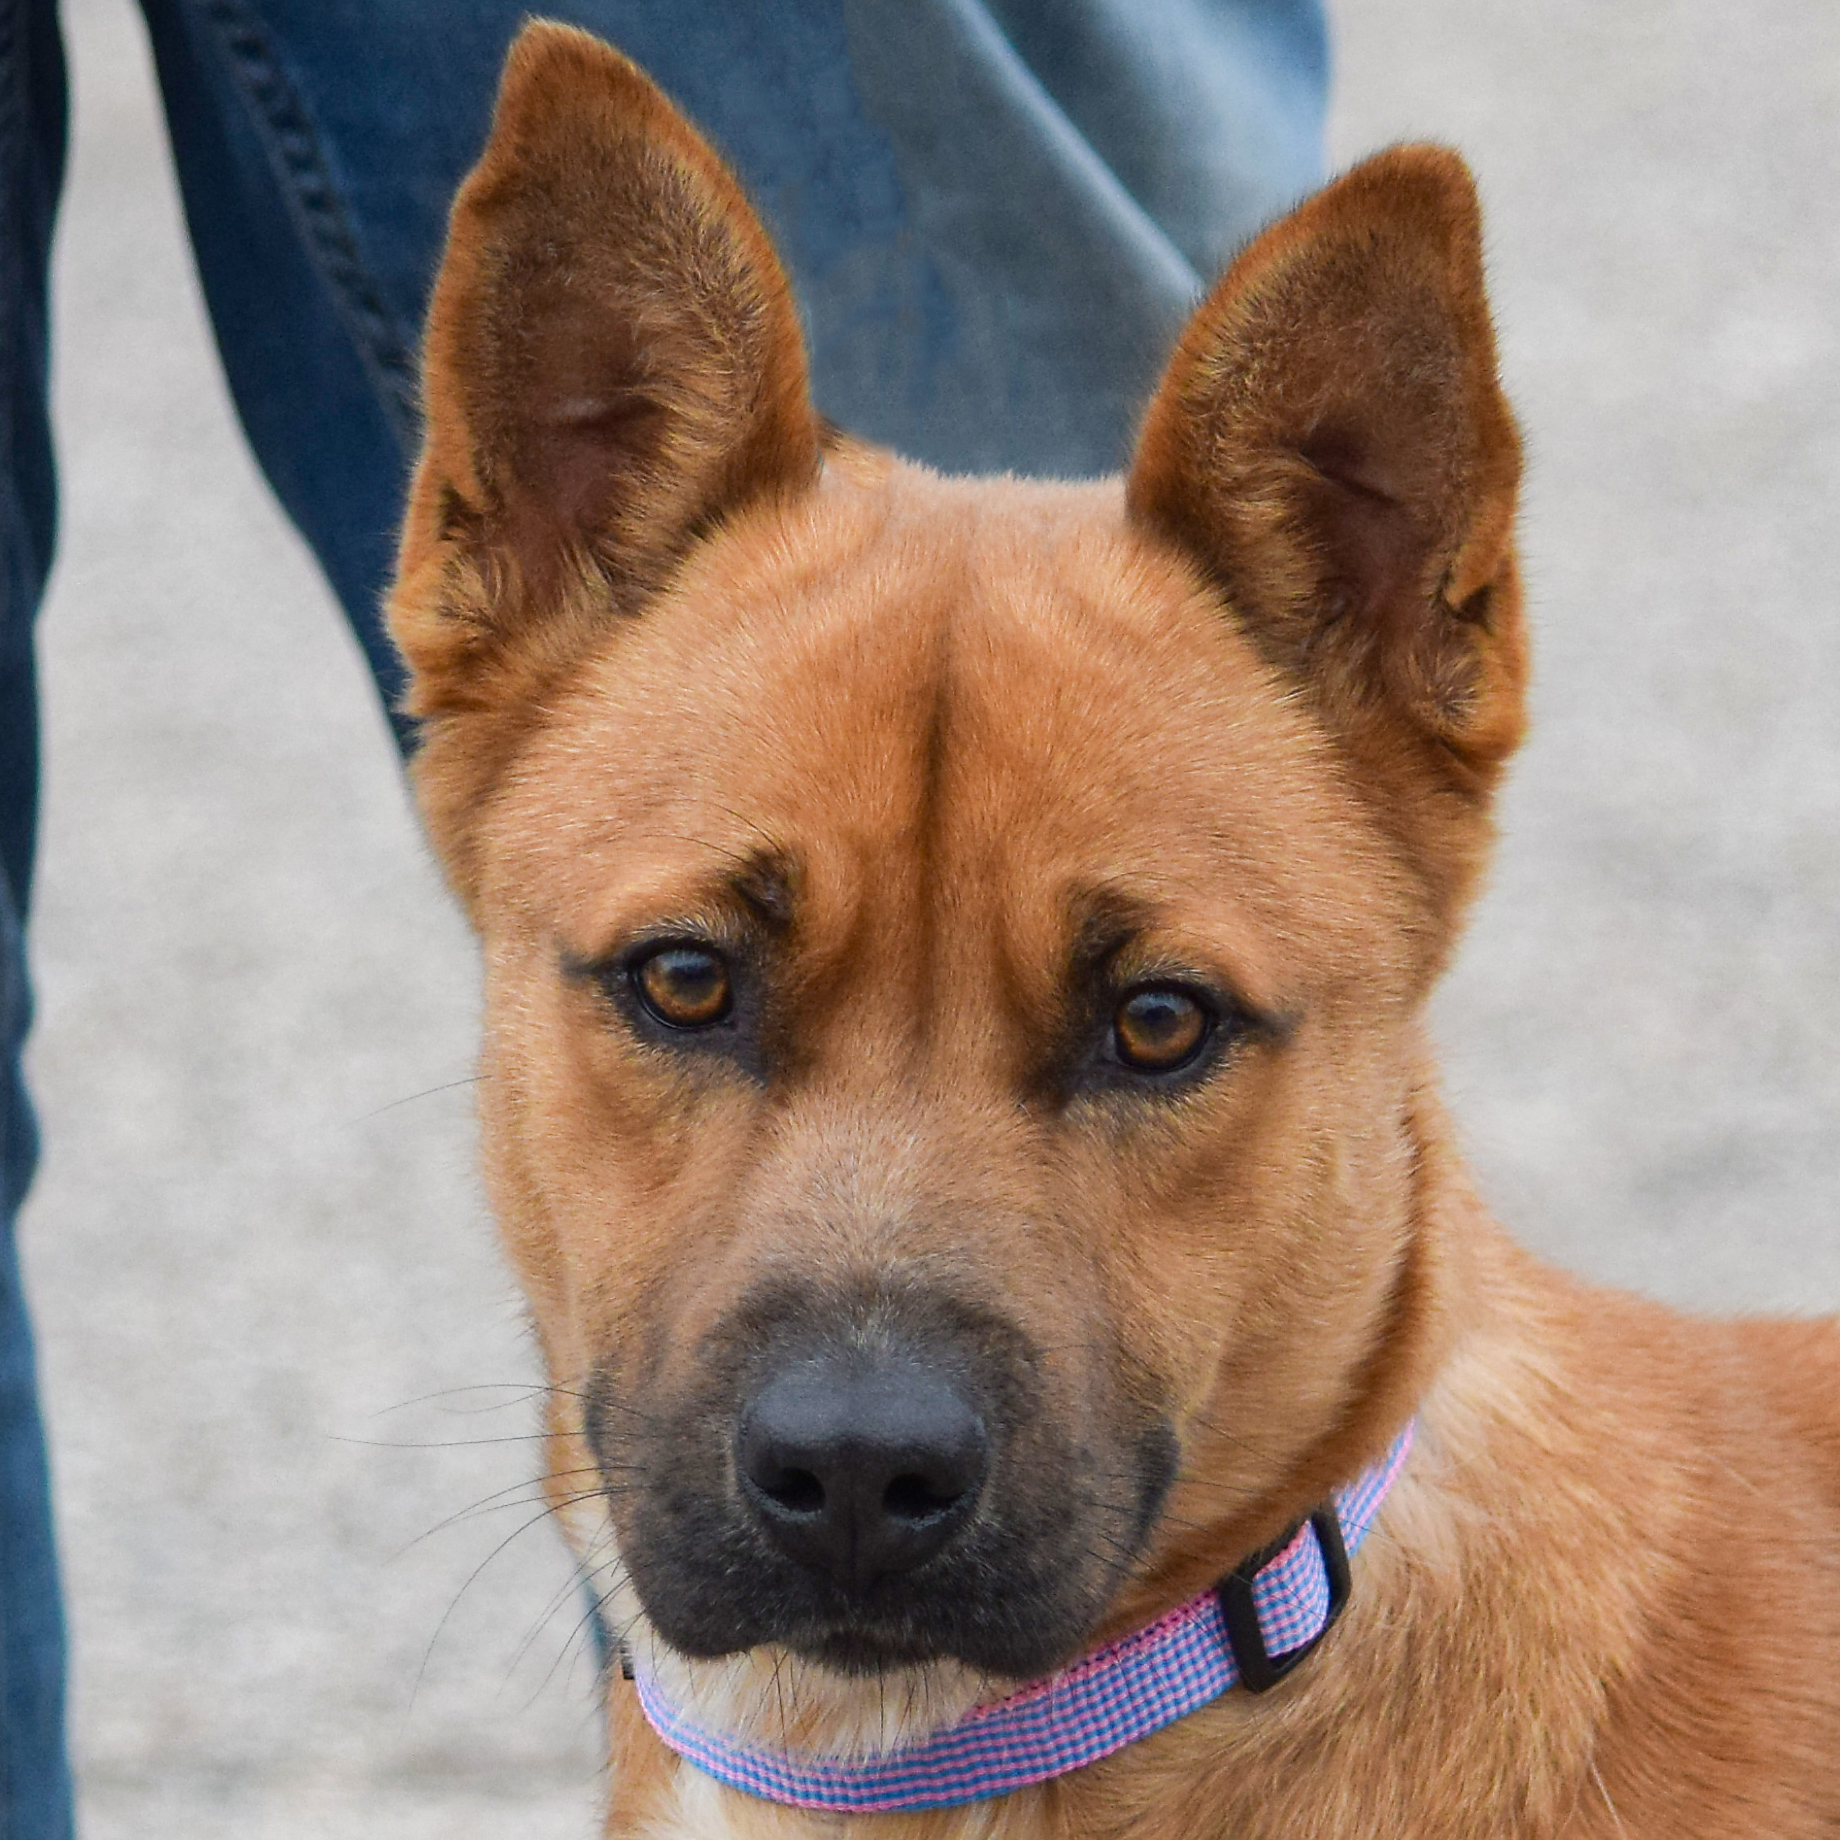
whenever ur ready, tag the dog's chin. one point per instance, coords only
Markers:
(1002, 1660)
(859, 1649)
(860, 1654)
(955, 1629)
(788, 1699)
(813, 1696)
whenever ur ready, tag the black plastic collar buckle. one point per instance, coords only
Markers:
(1258, 1671)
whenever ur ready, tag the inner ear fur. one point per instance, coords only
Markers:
(1331, 445)
(612, 365)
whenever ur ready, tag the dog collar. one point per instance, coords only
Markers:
(1250, 1630)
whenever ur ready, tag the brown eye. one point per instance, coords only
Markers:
(684, 987)
(1157, 1029)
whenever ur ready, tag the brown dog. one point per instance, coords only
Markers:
(957, 949)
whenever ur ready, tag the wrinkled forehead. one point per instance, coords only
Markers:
(990, 692)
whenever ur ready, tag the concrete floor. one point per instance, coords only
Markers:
(264, 1277)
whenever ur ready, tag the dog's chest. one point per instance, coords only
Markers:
(697, 1807)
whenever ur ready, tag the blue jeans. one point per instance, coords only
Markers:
(996, 213)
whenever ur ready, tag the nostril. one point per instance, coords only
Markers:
(797, 1491)
(915, 1500)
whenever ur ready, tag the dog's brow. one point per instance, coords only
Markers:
(765, 886)
(1105, 921)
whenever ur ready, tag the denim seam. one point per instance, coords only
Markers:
(299, 163)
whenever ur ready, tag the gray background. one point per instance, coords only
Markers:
(258, 1246)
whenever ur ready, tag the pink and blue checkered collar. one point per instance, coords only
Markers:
(1250, 1630)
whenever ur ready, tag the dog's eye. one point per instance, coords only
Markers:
(684, 987)
(1157, 1028)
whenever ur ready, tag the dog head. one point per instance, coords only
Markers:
(953, 949)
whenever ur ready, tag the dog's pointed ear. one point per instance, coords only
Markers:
(612, 366)
(1330, 443)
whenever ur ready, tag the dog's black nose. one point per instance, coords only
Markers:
(861, 1465)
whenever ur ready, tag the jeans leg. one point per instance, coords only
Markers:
(996, 212)
(322, 376)
(34, 1780)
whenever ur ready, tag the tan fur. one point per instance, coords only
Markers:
(1259, 695)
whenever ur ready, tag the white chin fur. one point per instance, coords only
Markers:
(769, 1696)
